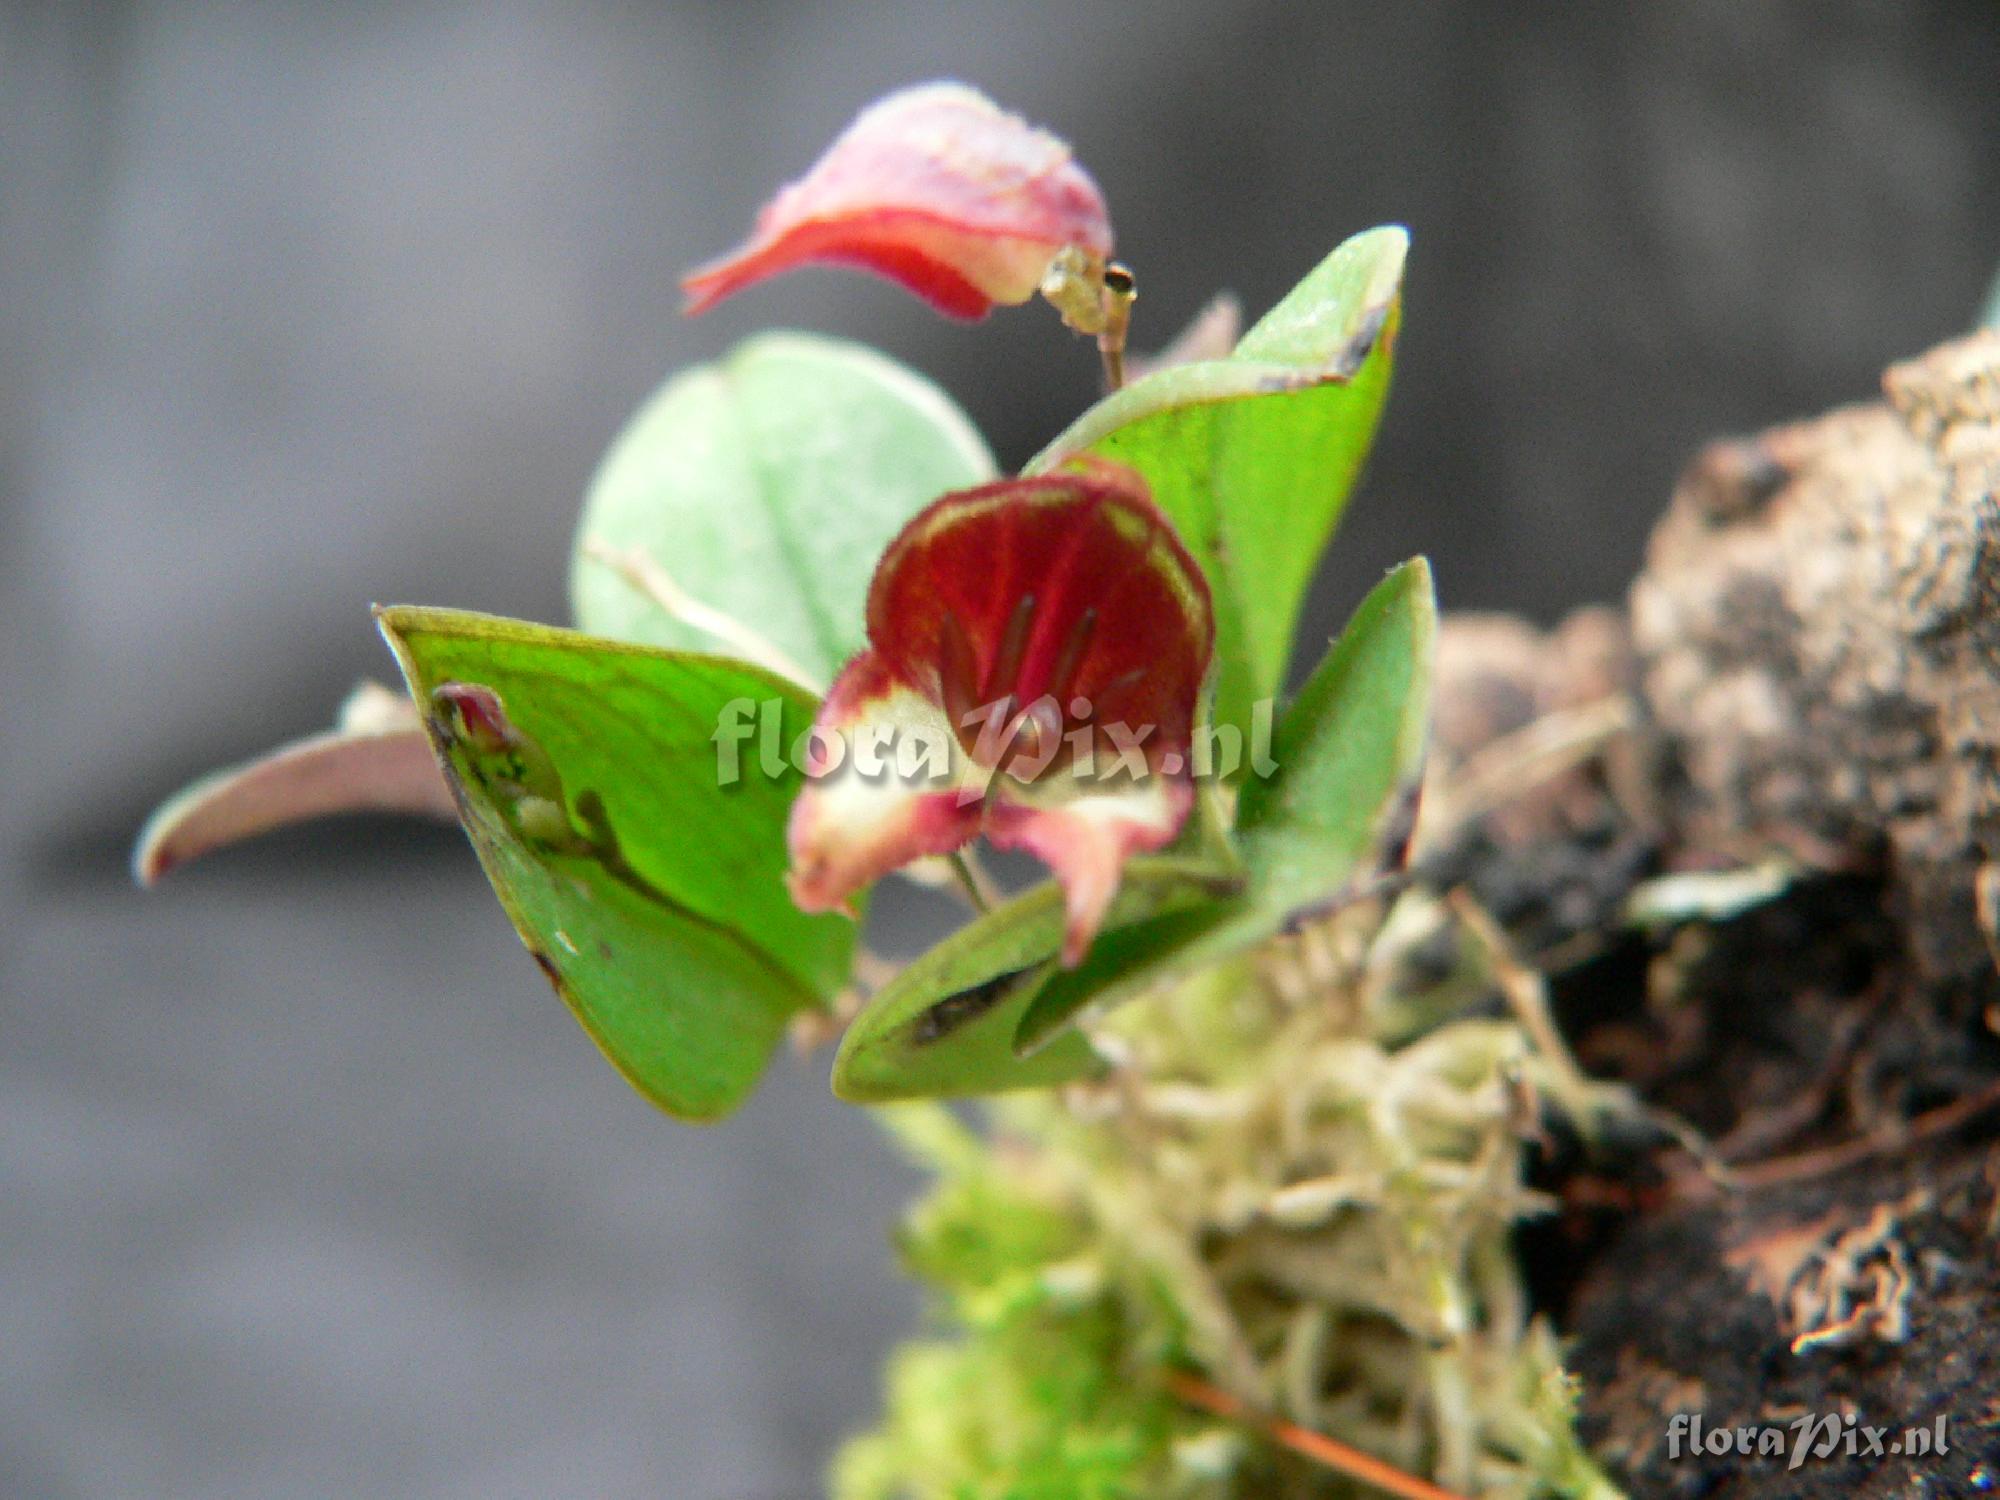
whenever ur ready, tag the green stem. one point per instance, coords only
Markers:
(973, 883)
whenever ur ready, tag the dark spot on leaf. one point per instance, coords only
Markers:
(548, 967)
(955, 1011)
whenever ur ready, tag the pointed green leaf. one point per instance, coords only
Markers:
(946, 1023)
(646, 881)
(1353, 742)
(1253, 456)
(766, 486)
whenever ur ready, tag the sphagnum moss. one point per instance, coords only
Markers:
(1269, 1191)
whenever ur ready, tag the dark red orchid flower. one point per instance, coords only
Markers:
(1036, 650)
(934, 187)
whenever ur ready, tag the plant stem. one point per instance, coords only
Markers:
(1364, 1468)
(1118, 296)
(973, 883)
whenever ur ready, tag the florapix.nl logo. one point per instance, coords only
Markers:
(758, 737)
(1806, 1438)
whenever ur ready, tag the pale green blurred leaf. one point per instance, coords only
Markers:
(767, 485)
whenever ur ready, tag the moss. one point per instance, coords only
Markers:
(1268, 1190)
(1050, 1390)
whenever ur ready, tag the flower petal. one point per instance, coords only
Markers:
(1086, 838)
(934, 187)
(1060, 628)
(1047, 639)
(875, 799)
(1043, 607)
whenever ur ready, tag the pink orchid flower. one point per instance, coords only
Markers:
(937, 188)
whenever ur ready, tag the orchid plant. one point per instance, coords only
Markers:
(819, 640)
(803, 552)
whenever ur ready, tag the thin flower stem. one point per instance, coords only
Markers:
(1114, 366)
(1364, 1468)
(972, 882)
(1117, 298)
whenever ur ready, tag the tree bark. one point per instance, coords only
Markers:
(1806, 682)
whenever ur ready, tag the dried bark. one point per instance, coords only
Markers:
(1810, 671)
(1819, 624)
(1696, 1311)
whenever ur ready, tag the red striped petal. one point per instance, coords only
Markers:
(1070, 591)
(936, 188)
(1057, 630)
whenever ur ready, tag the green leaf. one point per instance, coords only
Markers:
(647, 883)
(946, 1023)
(766, 486)
(1352, 743)
(1253, 456)
(989, 1009)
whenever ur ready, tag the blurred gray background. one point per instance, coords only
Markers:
(307, 1184)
